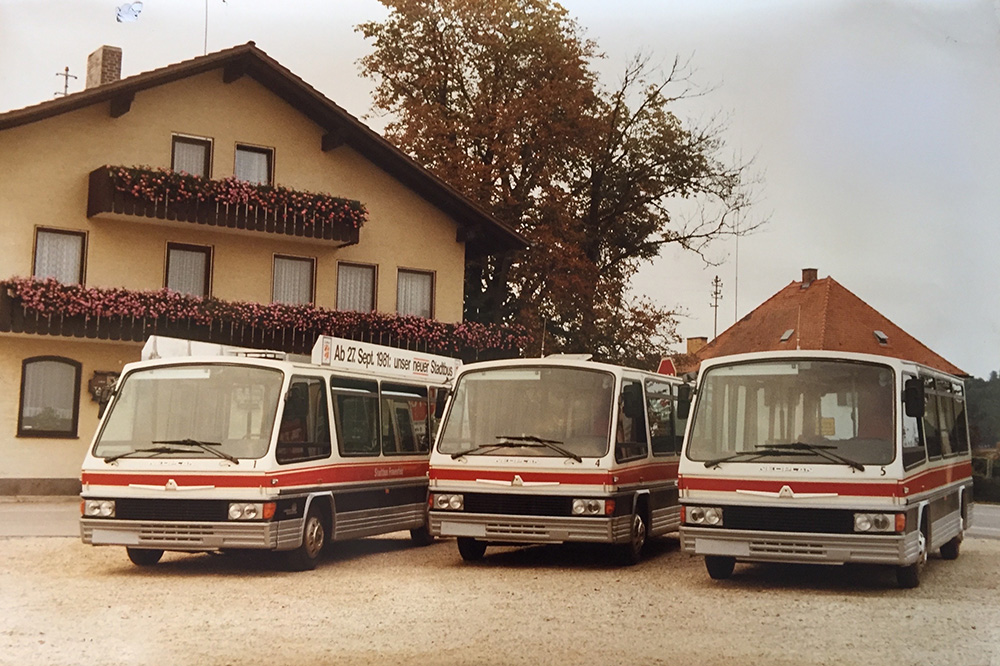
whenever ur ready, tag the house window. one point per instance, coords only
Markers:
(192, 155)
(50, 397)
(188, 268)
(293, 280)
(355, 287)
(59, 254)
(415, 293)
(254, 164)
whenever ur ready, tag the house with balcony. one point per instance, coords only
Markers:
(220, 199)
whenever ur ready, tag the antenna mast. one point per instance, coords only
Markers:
(66, 77)
(716, 297)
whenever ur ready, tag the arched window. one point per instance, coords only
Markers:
(50, 397)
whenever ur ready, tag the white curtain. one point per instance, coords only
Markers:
(293, 280)
(356, 288)
(252, 166)
(186, 271)
(413, 293)
(49, 389)
(59, 256)
(190, 156)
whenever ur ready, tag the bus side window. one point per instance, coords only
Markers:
(660, 406)
(304, 432)
(930, 425)
(404, 419)
(960, 432)
(355, 403)
(631, 441)
(914, 452)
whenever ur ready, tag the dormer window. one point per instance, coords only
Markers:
(882, 338)
(254, 164)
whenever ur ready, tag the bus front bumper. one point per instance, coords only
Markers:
(191, 536)
(501, 528)
(759, 546)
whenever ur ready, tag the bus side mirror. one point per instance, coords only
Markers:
(913, 397)
(439, 400)
(683, 400)
(632, 401)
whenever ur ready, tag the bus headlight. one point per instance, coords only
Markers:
(588, 507)
(99, 508)
(448, 502)
(704, 515)
(874, 522)
(251, 510)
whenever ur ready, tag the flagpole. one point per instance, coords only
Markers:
(206, 28)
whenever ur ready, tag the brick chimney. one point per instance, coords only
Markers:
(104, 66)
(808, 277)
(694, 345)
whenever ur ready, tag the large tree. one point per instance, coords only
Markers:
(500, 99)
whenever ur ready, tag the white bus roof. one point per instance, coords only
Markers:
(328, 352)
(817, 354)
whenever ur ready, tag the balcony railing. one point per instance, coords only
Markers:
(229, 203)
(47, 307)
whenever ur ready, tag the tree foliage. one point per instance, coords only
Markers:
(499, 98)
(983, 397)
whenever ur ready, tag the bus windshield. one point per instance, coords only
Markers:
(539, 411)
(192, 411)
(815, 411)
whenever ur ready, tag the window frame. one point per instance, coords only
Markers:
(65, 232)
(261, 150)
(416, 271)
(73, 432)
(374, 284)
(209, 253)
(312, 275)
(206, 142)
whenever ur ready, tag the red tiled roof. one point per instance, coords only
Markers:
(821, 315)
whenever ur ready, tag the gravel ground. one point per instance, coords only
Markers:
(381, 601)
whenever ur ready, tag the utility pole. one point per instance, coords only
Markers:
(66, 77)
(716, 297)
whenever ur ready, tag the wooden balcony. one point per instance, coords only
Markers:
(107, 198)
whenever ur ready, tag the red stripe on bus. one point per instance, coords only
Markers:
(381, 471)
(912, 485)
(643, 473)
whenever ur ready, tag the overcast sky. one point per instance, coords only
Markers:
(875, 125)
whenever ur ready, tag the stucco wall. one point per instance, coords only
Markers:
(44, 182)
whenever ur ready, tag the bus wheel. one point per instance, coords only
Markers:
(421, 536)
(949, 551)
(632, 551)
(720, 567)
(306, 556)
(144, 557)
(471, 549)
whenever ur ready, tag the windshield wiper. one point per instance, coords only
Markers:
(531, 440)
(204, 446)
(750, 455)
(151, 449)
(477, 449)
(818, 449)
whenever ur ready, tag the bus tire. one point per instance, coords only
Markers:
(421, 536)
(471, 549)
(306, 556)
(720, 567)
(144, 557)
(950, 550)
(632, 551)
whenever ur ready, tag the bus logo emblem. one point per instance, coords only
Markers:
(517, 480)
(786, 491)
